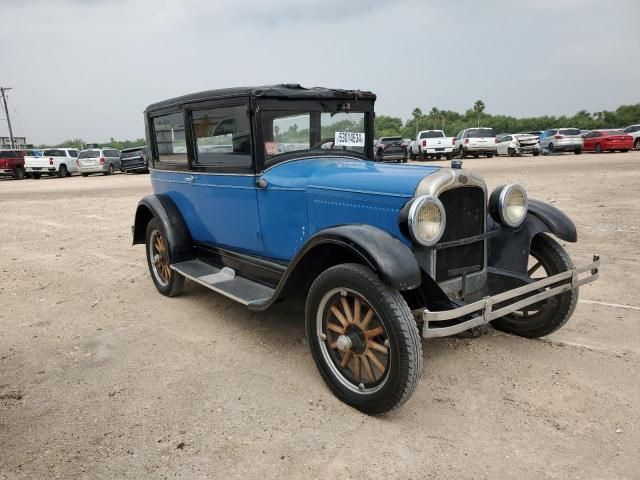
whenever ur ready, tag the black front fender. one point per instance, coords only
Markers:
(387, 256)
(508, 248)
(556, 220)
(165, 210)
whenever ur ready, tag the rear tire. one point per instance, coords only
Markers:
(511, 152)
(109, 170)
(462, 153)
(536, 153)
(379, 367)
(636, 144)
(19, 175)
(577, 151)
(167, 281)
(553, 312)
(412, 155)
(551, 148)
(450, 156)
(84, 174)
(438, 157)
(598, 148)
(62, 171)
(624, 151)
(36, 176)
(489, 155)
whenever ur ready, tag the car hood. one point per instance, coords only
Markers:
(348, 175)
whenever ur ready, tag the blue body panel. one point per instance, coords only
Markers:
(301, 197)
(218, 209)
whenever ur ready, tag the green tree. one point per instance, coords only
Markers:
(434, 115)
(386, 126)
(417, 115)
(478, 107)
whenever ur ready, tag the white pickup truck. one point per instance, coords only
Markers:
(431, 144)
(54, 161)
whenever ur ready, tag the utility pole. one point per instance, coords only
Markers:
(4, 100)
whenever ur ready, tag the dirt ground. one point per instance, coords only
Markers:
(102, 377)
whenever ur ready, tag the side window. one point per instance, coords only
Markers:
(73, 153)
(222, 137)
(170, 144)
(459, 136)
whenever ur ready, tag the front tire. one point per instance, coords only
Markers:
(578, 151)
(363, 338)
(636, 144)
(167, 281)
(547, 258)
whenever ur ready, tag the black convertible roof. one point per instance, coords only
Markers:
(288, 91)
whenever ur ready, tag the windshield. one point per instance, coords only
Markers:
(569, 131)
(132, 153)
(386, 140)
(288, 131)
(89, 154)
(432, 134)
(481, 133)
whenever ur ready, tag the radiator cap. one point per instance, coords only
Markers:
(457, 164)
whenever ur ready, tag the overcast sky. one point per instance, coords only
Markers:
(88, 68)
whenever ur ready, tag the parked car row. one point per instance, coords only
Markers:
(64, 162)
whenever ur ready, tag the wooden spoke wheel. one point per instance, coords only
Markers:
(546, 258)
(355, 341)
(167, 281)
(363, 338)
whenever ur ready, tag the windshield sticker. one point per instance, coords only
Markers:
(349, 139)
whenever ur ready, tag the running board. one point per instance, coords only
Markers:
(224, 281)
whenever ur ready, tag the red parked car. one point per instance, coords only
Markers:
(12, 163)
(602, 140)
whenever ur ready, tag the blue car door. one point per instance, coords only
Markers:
(217, 194)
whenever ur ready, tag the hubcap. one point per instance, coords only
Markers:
(353, 341)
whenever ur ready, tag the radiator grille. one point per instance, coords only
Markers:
(465, 210)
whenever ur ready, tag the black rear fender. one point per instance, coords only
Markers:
(164, 209)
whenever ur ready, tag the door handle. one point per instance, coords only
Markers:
(189, 178)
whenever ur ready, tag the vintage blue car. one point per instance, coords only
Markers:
(269, 193)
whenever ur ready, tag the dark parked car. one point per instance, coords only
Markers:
(12, 163)
(135, 159)
(382, 253)
(391, 148)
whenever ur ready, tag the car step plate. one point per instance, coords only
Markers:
(224, 281)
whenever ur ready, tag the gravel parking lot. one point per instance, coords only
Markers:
(101, 376)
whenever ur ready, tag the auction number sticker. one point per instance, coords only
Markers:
(349, 139)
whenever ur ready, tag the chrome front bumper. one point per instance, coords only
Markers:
(485, 312)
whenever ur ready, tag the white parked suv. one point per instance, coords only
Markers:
(634, 131)
(476, 142)
(561, 140)
(99, 160)
(54, 161)
(431, 143)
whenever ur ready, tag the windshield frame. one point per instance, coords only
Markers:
(359, 106)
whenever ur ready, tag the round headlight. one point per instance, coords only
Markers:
(509, 204)
(426, 220)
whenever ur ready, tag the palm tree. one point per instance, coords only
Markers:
(478, 107)
(417, 114)
(443, 118)
(433, 115)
